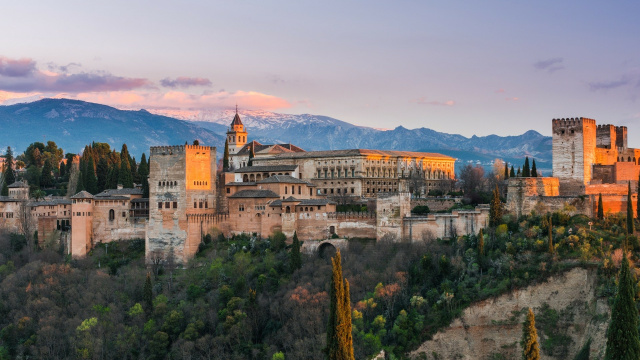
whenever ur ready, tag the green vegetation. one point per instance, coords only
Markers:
(339, 333)
(529, 343)
(421, 210)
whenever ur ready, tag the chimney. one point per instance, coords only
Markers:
(119, 186)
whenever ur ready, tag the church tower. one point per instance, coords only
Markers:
(236, 136)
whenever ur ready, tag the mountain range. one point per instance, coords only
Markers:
(73, 124)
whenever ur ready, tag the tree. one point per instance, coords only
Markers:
(296, 258)
(339, 338)
(9, 176)
(638, 203)
(481, 243)
(506, 170)
(148, 295)
(5, 189)
(102, 172)
(519, 173)
(143, 172)
(90, 179)
(526, 171)
(585, 352)
(225, 157)
(551, 248)
(471, 178)
(512, 172)
(125, 178)
(600, 208)
(80, 186)
(530, 349)
(622, 334)
(534, 171)
(629, 211)
(46, 179)
(252, 154)
(196, 142)
(495, 208)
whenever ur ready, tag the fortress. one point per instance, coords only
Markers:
(268, 188)
(589, 160)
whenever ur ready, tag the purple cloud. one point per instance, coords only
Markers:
(62, 68)
(550, 65)
(184, 82)
(608, 85)
(16, 68)
(424, 101)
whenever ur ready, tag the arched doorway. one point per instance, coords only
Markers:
(326, 250)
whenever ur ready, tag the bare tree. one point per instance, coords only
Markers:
(416, 183)
(472, 178)
(26, 223)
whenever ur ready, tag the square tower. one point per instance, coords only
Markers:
(574, 144)
(181, 183)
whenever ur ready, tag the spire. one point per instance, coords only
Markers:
(236, 119)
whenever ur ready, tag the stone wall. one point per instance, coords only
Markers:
(573, 144)
(427, 228)
(436, 204)
(522, 193)
(391, 209)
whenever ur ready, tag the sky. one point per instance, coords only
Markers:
(467, 67)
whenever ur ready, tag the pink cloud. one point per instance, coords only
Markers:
(185, 82)
(425, 101)
(16, 68)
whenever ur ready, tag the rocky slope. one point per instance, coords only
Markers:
(492, 329)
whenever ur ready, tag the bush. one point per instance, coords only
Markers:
(421, 210)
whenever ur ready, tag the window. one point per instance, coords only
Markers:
(228, 190)
(241, 207)
(286, 189)
(195, 205)
(112, 215)
(124, 214)
(167, 205)
(206, 204)
(175, 204)
(159, 205)
(299, 190)
(200, 203)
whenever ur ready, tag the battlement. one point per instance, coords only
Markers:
(606, 127)
(572, 122)
(171, 149)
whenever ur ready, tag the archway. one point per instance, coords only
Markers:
(326, 250)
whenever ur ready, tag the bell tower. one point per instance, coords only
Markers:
(236, 136)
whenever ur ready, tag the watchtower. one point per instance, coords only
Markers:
(181, 182)
(574, 143)
(236, 136)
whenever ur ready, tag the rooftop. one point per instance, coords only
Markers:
(360, 152)
(287, 179)
(254, 194)
(123, 191)
(82, 195)
(266, 168)
(18, 184)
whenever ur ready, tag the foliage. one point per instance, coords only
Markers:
(585, 352)
(526, 171)
(622, 335)
(630, 216)
(530, 350)
(421, 210)
(339, 334)
(495, 210)
(296, 257)
(225, 157)
(600, 214)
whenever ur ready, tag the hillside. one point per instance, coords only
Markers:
(73, 124)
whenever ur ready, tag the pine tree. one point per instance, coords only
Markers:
(147, 295)
(225, 157)
(512, 172)
(481, 243)
(9, 176)
(534, 171)
(46, 179)
(124, 173)
(622, 334)
(90, 179)
(600, 208)
(506, 171)
(102, 173)
(252, 154)
(530, 349)
(495, 208)
(80, 186)
(526, 171)
(551, 248)
(339, 338)
(296, 257)
(629, 211)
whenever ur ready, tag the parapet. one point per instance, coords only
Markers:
(172, 149)
(572, 121)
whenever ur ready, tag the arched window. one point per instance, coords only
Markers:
(288, 210)
(112, 215)
(629, 159)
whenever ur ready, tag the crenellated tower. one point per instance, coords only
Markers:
(236, 136)
(574, 144)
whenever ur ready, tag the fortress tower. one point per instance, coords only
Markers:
(181, 182)
(236, 136)
(81, 223)
(574, 144)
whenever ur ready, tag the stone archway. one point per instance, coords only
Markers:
(326, 250)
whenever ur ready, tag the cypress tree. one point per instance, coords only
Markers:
(481, 243)
(551, 248)
(143, 172)
(519, 173)
(296, 257)
(46, 179)
(622, 334)
(629, 212)
(600, 208)
(80, 186)
(339, 340)
(506, 171)
(102, 173)
(495, 208)
(90, 179)
(134, 171)
(225, 157)
(252, 154)
(9, 176)
(147, 295)
(512, 172)
(112, 177)
(526, 171)
(5, 189)
(124, 173)
(61, 170)
(534, 171)
(530, 349)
